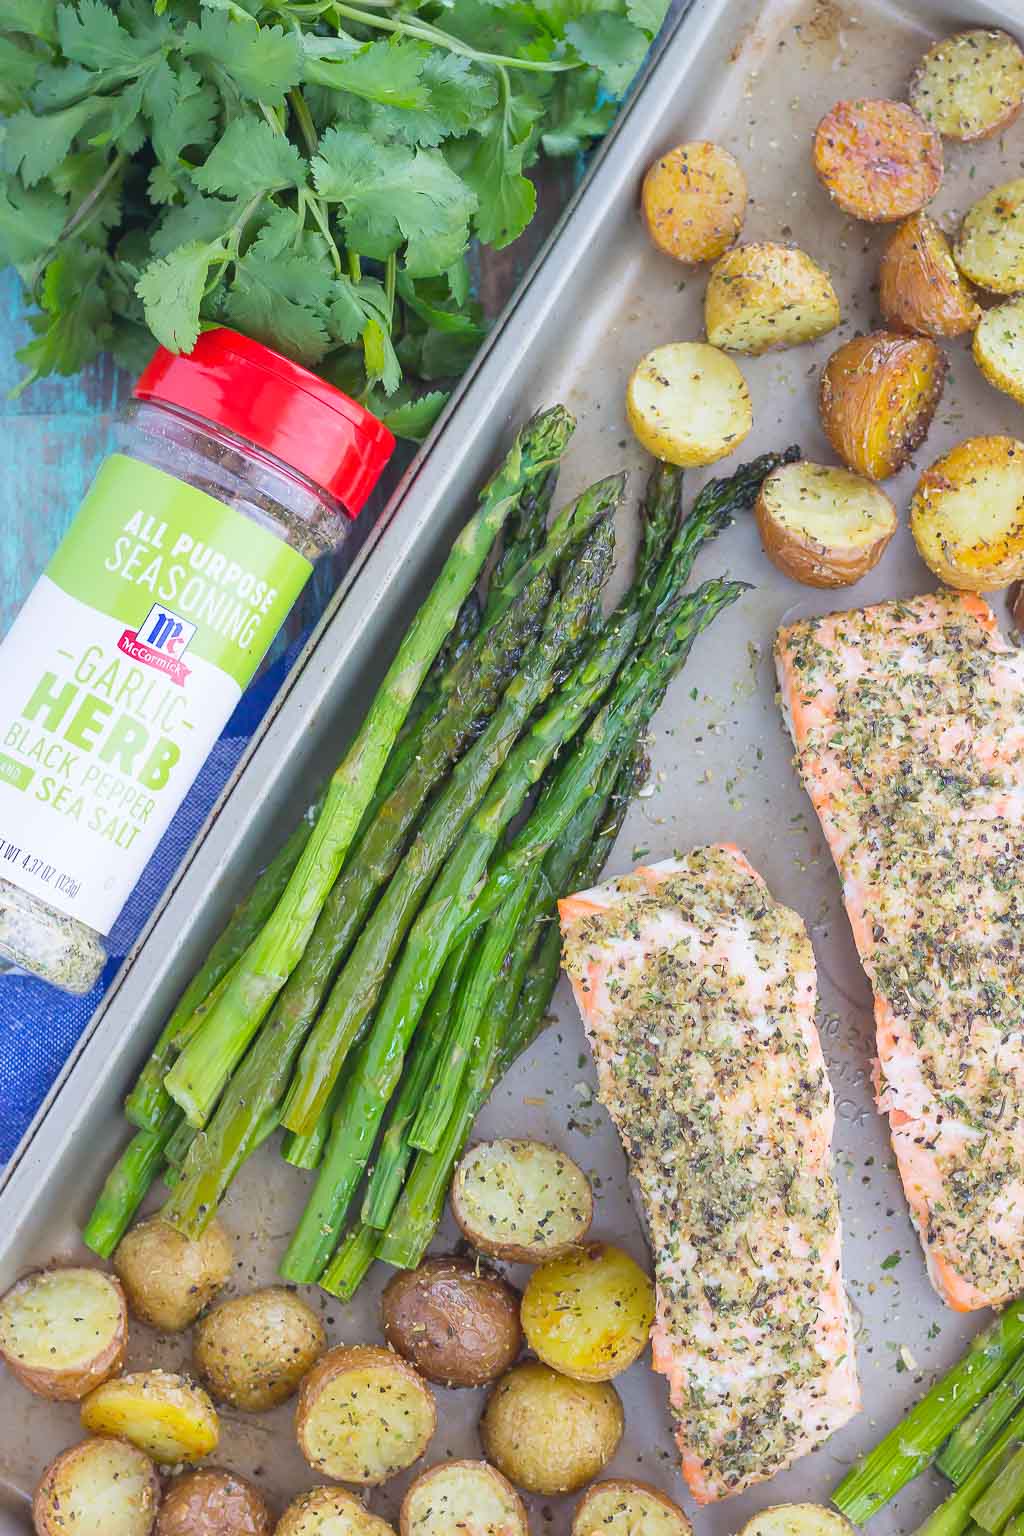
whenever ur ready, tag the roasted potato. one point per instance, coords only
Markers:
(967, 514)
(99, 1487)
(693, 201)
(549, 1434)
(458, 1324)
(588, 1314)
(766, 295)
(622, 1507)
(163, 1414)
(821, 525)
(63, 1331)
(330, 1512)
(919, 286)
(169, 1278)
(253, 1351)
(460, 1497)
(998, 347)
(210, 1502)
(877, 160)
(688, 403)
(522, 1201)
(877, 398)
(363, 1415)
(798, 1520)
(971, 85)
(990, 247)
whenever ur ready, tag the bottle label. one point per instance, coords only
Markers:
(119, 674)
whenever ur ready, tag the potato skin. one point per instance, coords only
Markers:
(457, 1324)
(549, 1192)
(764, 295)
(42, 1291)
(987, 60)
(309, 1513)
(211, 1502)
(442, 1519)
(589, 1313)
(253, 1351)
(591, 1515)
(796, 551)
(549, 1434)
(969, 534)
(919, 287)
(382, 1375)
(57, 1510)
(169, 1278)
(877, 159)
(693, 201)
(877, 398)
(165, 1415)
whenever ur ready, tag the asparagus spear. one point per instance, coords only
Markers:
(971, 1439)
(908, 1448)
(357, 988)
(277, 949)
(493, 657)
(953, 1516)
(1003, 1498)
(524, 536)
(176, 1150)
(264, 1074)
(351, 1263)
(395, 1152)
(126, 1186)
(148, 1102)
(576, 861)
(306, 1151)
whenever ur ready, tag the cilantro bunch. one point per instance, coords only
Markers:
(308, 171)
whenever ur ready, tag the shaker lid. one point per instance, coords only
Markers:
(277, 405)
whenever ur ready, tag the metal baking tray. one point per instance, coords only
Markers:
(756, 76)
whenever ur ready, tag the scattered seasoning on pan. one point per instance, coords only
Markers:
(235, 470)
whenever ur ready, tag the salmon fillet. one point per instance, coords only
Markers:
(697, 992)
(908, 719)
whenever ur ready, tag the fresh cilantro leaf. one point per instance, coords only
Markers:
(391, 193)
(18, 71)
(280, 230)
(279, 301)
(460, 92)
(35, 18)
(458, 281)
(182, 110)
(36, 144)
(63, 85)
(388, 71)
(891, 1260)
(440, 356)
(414, 419)
(613, 45)
(131, 345)
(450, 321)
(579, 113)
(352, 305)
(249, 159)
(380, 357)
(203, 219)
(91, 34)
(75, 323)
(78, 173)
(263, 63)
(648, 14)
(171, 289)
(494, 170)
(118, 121)
(501, 28)
(30, 222)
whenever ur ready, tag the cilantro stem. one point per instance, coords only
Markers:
(390, 272)
(304, 121)
(355, 267)
(429, 34)
(78, 220)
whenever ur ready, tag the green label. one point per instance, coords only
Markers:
(18, 775)
(184, 573)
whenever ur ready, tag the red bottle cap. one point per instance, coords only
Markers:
(262, 397)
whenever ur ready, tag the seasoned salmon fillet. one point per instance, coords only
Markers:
(697, 992)
(908, 719)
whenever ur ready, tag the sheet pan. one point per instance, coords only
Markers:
(756, 76)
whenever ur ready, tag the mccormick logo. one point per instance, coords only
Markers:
(160, 641)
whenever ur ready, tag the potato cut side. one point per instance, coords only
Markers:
(822, 525)
(971, 85)
(877, 399)
(766, 295)
(688, 403)
(693, 200)
(620, 1507)
(588, 1314)
(161, 1413)
(169, 1278)
(523, 1201)
(798, 1520)
(97, 1488)
(999, 347)
(363, 1415)
(463, 1497)
(63, 1331)
(990, 246)
(330, 1512)
(877, 159)
(967, 515)
(919, 285)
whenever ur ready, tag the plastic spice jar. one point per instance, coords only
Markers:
(234, 471)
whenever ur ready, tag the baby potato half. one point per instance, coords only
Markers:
(588, 1314)
(688, 403)
(64, 1331)
(211, 1502)
(998, 347)
(363, 1415)
(990, 247)
(971, 85)
(693, 201)
(623, 1507)
(253, 1351)
(822, 525)
(458, 1323)
(877, 398)
(766, 295)
(99, 1487)
(169, 1278)
(919, 286)
(330, 1512)
(549, 1434)
(163, 1414)
(877, 159)
(457, 1498)
(967, 514)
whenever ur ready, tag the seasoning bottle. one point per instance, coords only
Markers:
(234, 470)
